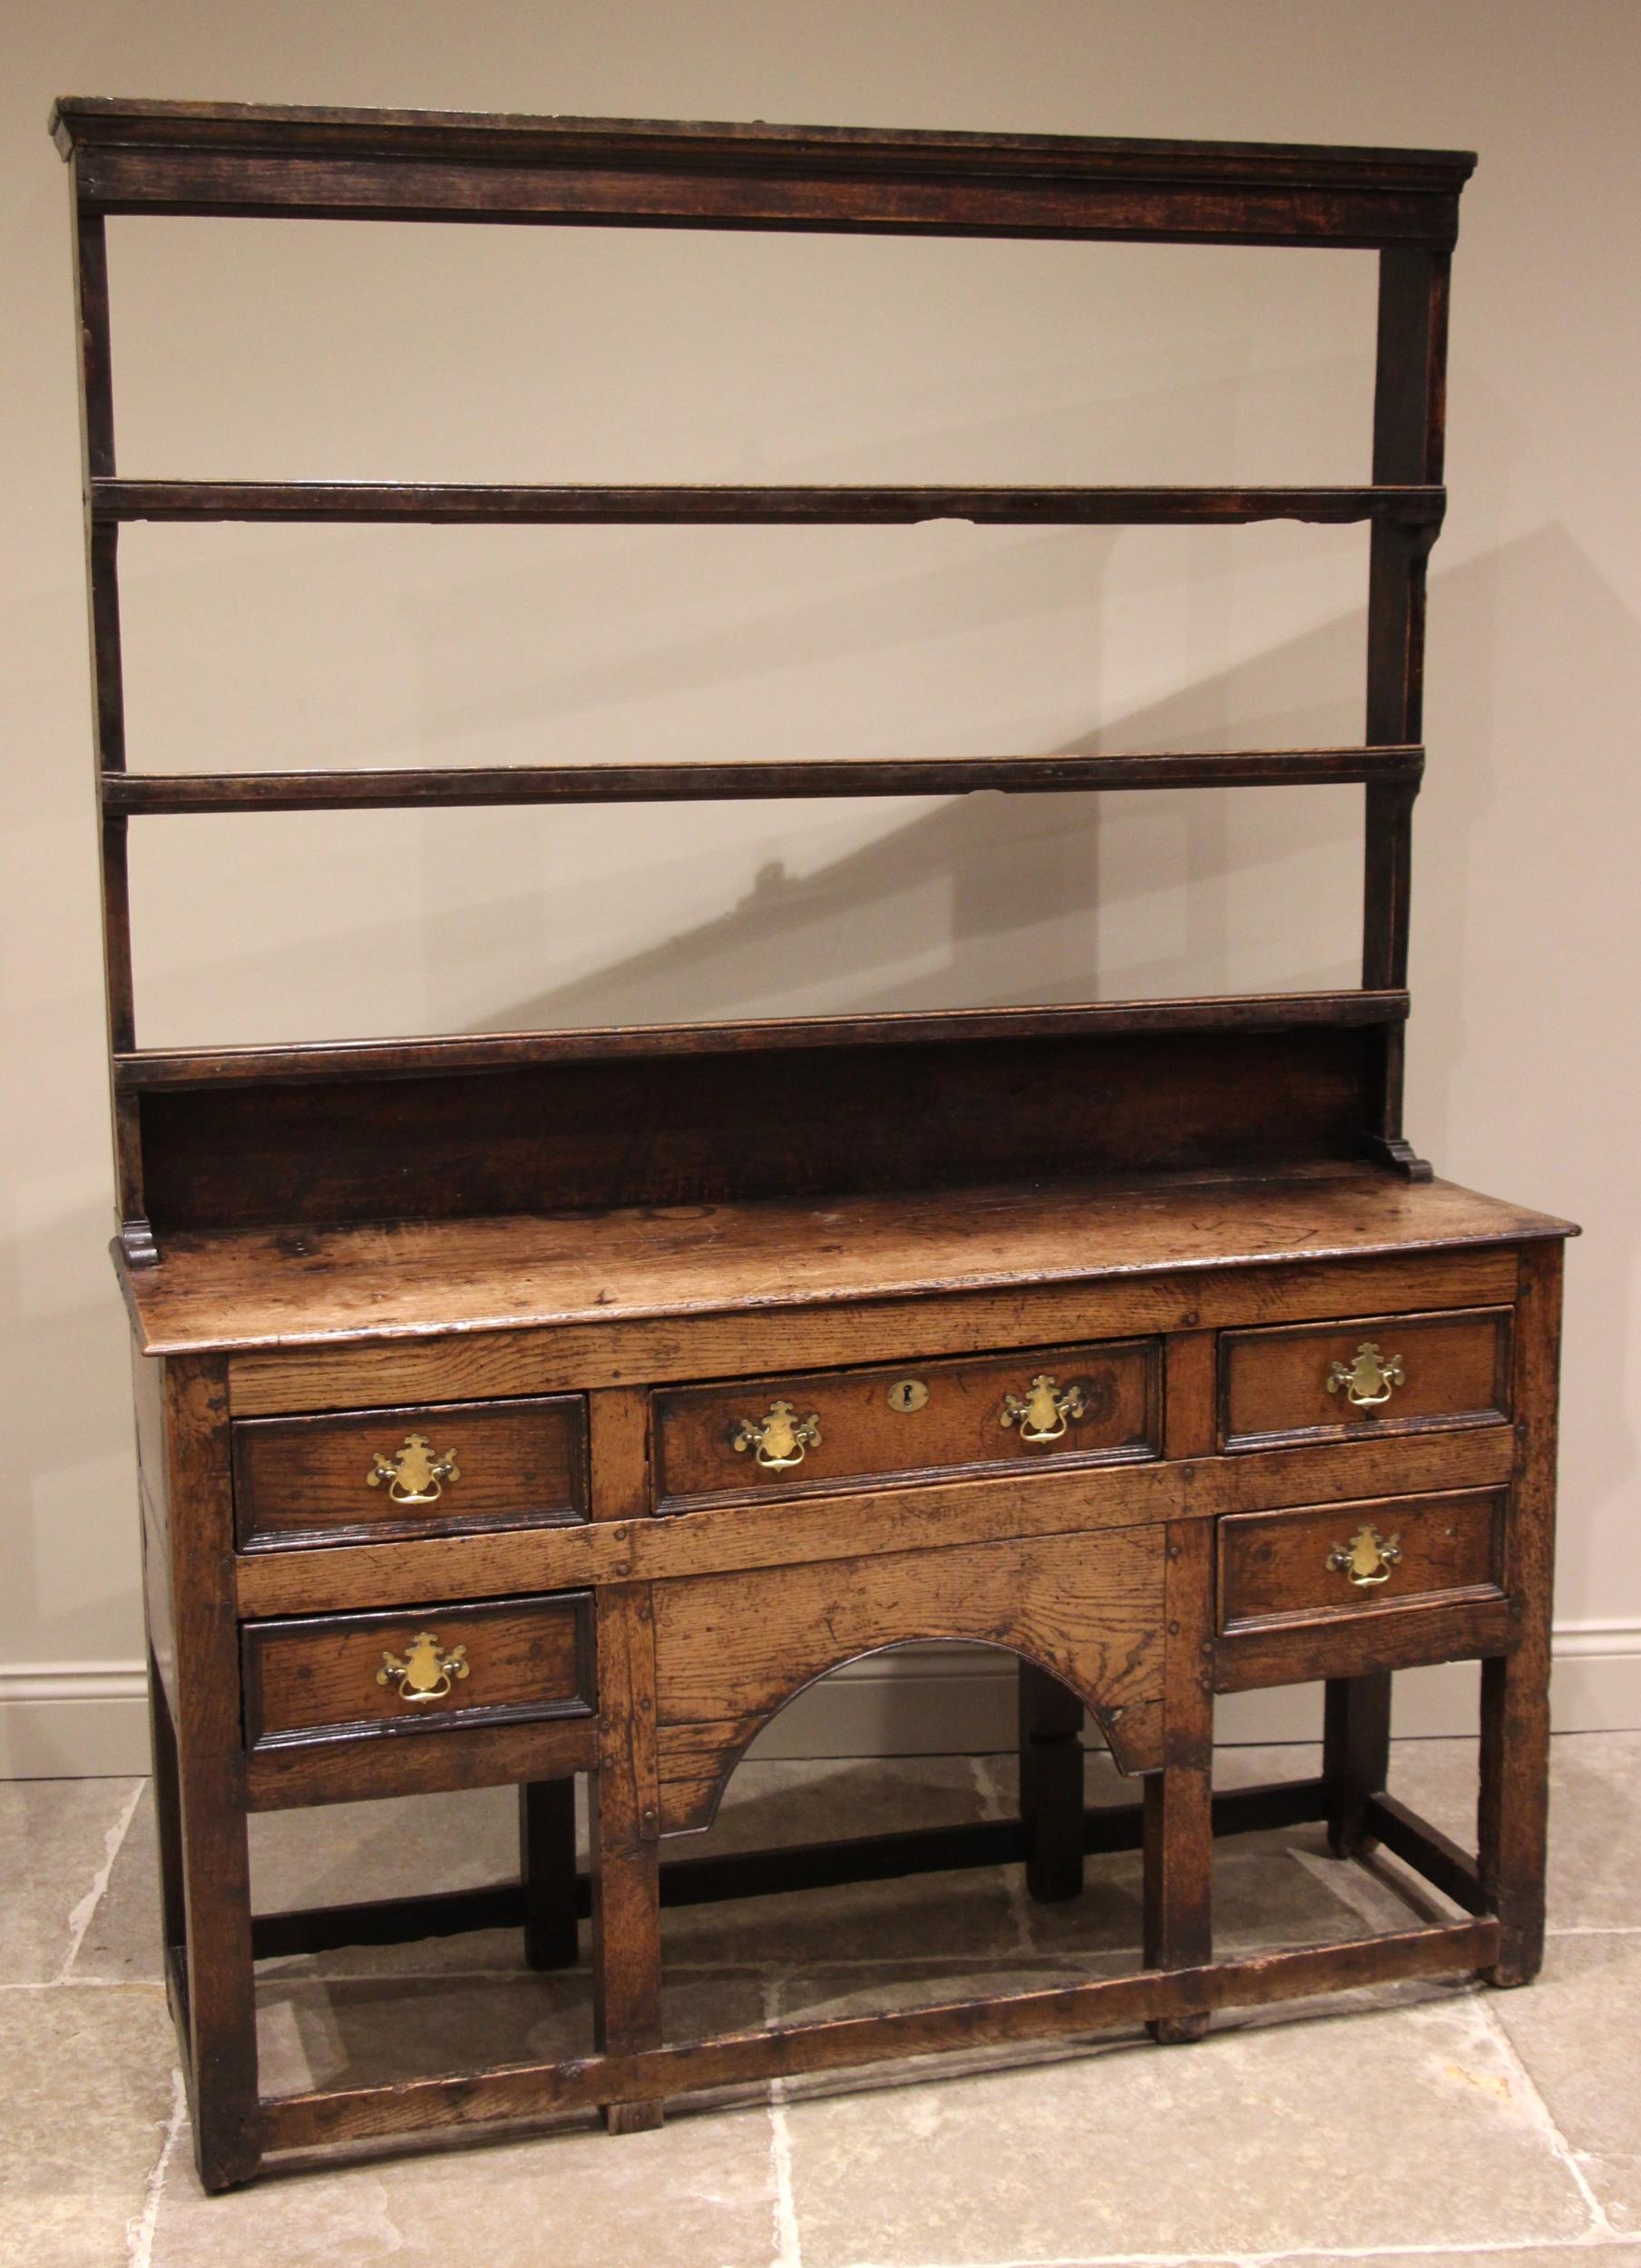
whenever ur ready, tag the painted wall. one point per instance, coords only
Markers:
(309, 351)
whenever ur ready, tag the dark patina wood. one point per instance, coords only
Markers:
(574, 1265)
(235, 157)
(478, 1464)
(749, 780)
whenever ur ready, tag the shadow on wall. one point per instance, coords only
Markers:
(988, 900)
(996, 873)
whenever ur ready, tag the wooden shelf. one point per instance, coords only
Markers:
(477, 503)
(144, 1071)
(134, 792)
(333, 1131)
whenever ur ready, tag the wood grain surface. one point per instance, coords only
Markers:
(1456, 1371)
(469, 166)
(320, 1676)
(611, 1127)
(731, 1650)
(308, 1480)
(863, 1431)
(1274, 1566)
(263, 1288)
(904, 1517)
(451, 1367)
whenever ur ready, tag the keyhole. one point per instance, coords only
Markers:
(908, 1394)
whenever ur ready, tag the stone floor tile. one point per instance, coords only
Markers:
(402, 1846)
(354, 2032)
(360, 2032)
(1397, 2127)
(1576, 2031)
(58, 1837)
(88, 2098)
(698, 2193)
(1257, 1768)
(769, 1804)
(1604, 2256)
(827, 1995)
(393, 1847)
(122, 1941)
(1595, 1842)
(1270, 1889)
(916, 1916)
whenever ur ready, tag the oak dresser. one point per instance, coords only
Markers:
(520, 1406)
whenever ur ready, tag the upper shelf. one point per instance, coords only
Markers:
(363, 164)
(486, 502)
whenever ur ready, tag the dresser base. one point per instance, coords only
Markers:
(1256, 1434)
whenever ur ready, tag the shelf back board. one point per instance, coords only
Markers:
(625, 1128)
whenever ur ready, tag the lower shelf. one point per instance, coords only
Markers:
(1181, 1998)
(528, 2093)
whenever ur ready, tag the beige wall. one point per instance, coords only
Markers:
(284, 348)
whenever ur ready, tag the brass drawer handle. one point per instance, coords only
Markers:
(1367, 1558)
(1368, 1378)
(1043, 1412)
(780, 1437)
(427, 1671)
(412, 1477)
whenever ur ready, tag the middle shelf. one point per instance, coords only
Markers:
(692, 782)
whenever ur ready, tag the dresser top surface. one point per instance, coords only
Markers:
(274, 1287)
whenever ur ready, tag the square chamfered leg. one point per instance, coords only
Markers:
(1513, 1810)
(626, 1854)
(200, 1780)
(1356, 1756)
(168, 1825)
(547, 1872)
(1051, 1785)
(1179, 1818)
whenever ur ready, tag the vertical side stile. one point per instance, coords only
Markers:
(212, 1864)
(1409, 401)
(1512, 1812)
(108, 701)
(1410, 419)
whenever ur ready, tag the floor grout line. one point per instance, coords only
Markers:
(1222, 2258)
(788, 2241)
(140, 2231)
(82, 1984)
(1600, 2225)
(80, 1919)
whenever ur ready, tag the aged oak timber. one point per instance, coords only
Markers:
(517, 1408)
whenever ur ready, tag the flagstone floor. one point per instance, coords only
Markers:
(1406, 2123)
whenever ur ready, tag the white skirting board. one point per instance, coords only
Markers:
(83, 1720)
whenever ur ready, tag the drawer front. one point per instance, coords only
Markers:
(1349, 1559)
(1383, 1374)
(832, 1429)
(351, 1676)
(374, 1475)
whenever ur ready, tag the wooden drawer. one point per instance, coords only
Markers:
(374, 1475)
(1292, 1384)
(418, 1670)
(923, 1418)
(1278, 1568)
